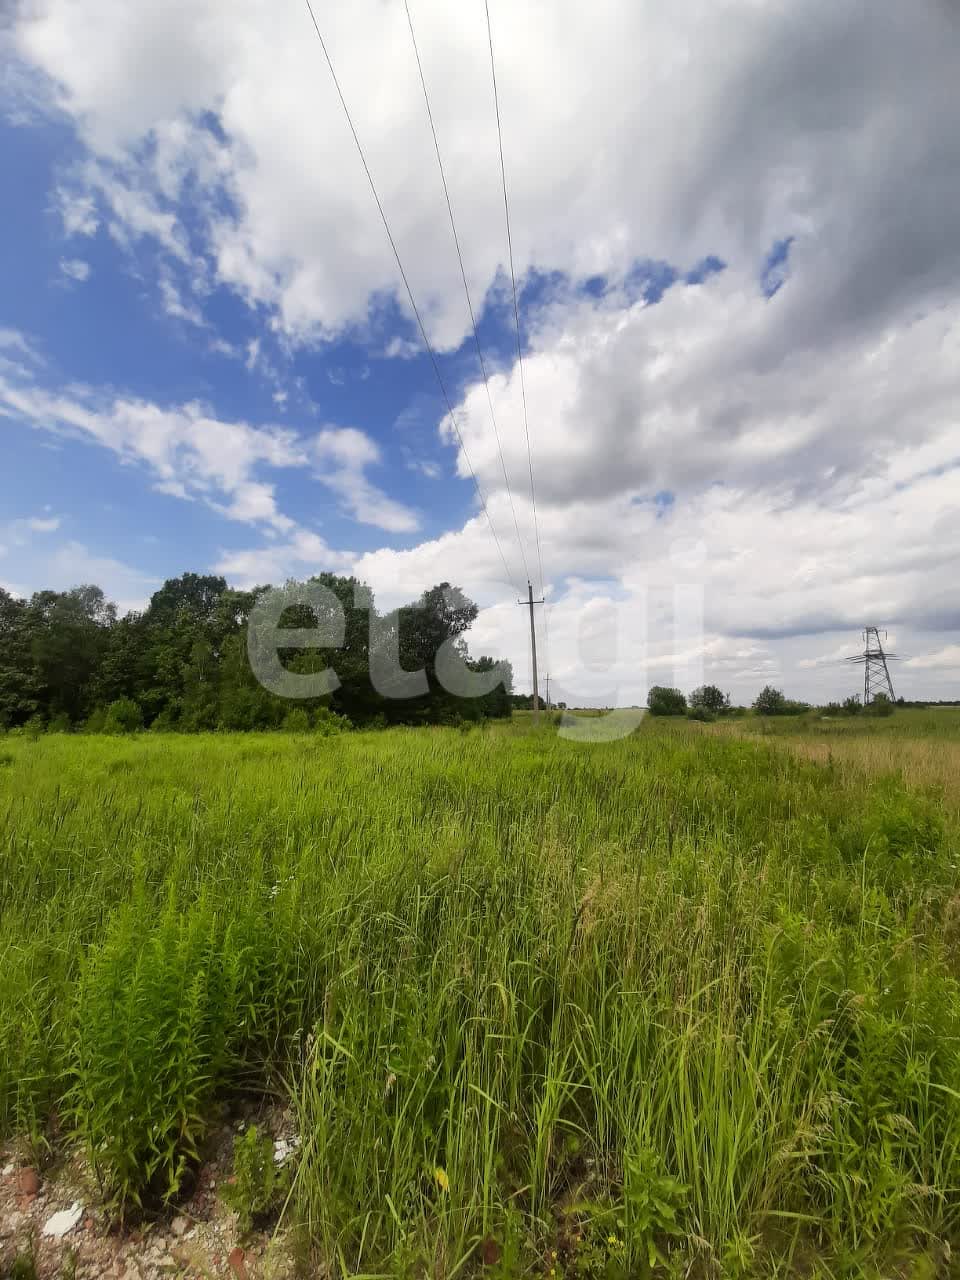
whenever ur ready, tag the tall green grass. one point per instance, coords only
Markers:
(529, 996)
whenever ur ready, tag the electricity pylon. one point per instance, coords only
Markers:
(876, 673)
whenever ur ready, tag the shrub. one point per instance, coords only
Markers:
(771, 702)
(95, 721)
(123, 716)
(880, 706)
(666, 702)
(701, 714)
(60, 723)
(257, 1182)
(296, 721)
(327, 722)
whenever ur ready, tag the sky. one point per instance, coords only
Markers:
(737, 254)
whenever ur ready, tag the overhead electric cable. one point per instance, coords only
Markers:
(513, 281)
(406, 282)
(466, 287)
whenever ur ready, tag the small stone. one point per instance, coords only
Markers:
(235, 1261)
(63, 1222)
(179, 1227)
(10, 1224)
(284, 1148)
(28, 1182)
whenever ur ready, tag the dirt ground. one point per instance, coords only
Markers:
(50, 1218)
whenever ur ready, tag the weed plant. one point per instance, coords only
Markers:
(682, 1000)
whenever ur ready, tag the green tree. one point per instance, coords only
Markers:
(709, 698)
(662, 701)
(769, 701)
(20, 687)
(69, 633)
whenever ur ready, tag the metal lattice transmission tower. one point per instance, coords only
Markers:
(874, 659)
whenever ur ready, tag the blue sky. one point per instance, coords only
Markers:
(740, 320)
(110, 330)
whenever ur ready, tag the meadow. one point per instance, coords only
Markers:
(685, 1003)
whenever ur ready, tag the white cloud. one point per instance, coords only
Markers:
(342, 456)
(302, 555)
(75, 269)
(17, 342)
(78, 212)
(945, 659)
(431, 470)
(804, 449)
(176, 307)
(676, 151)
(191, 454)
(43, 524)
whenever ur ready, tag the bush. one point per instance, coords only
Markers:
(123, 716)
(771, 702)
(166, 721)
(880, 706)
(257, 1182)
(161, 1019)
(666, 702)
(60, 723)
(701, 714)
(296, 721)
(852, 706)
(95, 721)
(327, 722)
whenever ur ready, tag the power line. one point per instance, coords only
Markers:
(466, 287)
(513, 280)
(406, 282)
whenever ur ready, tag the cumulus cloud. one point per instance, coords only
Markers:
(714, 128)
(302, 555)
(794, 457)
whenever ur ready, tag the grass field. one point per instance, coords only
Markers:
(684, 1002)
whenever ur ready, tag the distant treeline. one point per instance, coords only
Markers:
(68, 661)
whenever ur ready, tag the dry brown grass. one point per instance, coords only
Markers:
(919, 762)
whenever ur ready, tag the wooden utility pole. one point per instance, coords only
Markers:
(546, 681)
(530, 602)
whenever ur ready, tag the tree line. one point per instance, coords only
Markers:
(708, 702)
(68, 660)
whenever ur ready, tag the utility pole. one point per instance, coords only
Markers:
(530, 602)
(547, 682)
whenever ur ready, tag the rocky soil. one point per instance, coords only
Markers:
(51, 1218)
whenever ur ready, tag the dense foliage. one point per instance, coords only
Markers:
(666, 702)
(772, 702)
(67, 659)
(681, 997)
